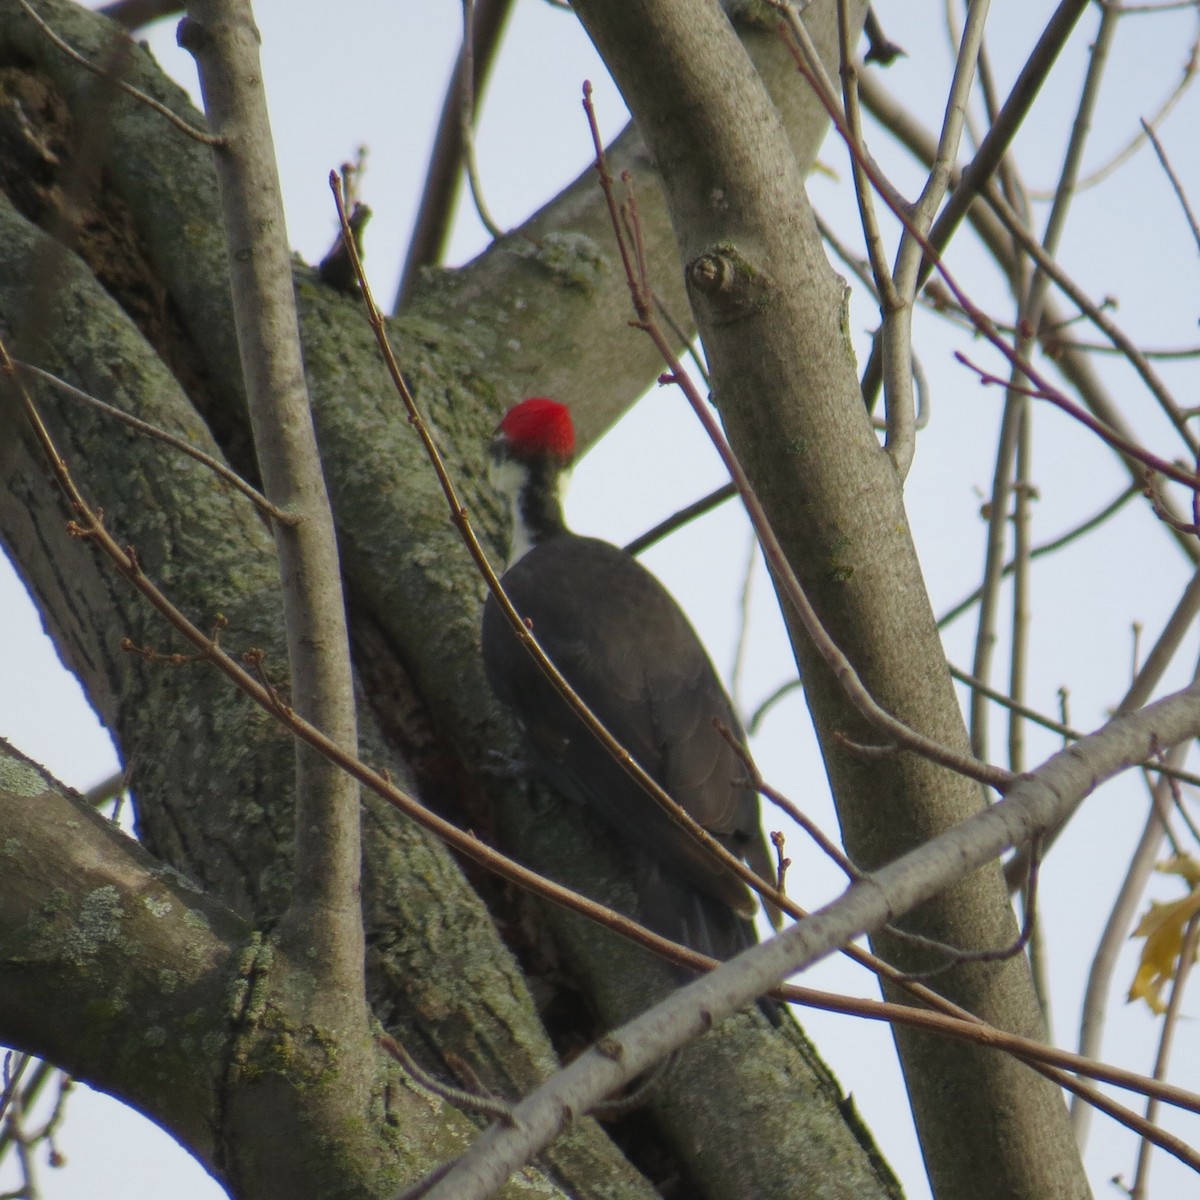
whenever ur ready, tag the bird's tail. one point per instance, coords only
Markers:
(675, 909)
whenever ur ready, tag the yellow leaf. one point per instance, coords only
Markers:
(1183, 865)
(1162, 927)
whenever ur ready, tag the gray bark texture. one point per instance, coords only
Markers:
(171, 987)
(783, 378)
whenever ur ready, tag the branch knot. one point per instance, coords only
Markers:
(728, 284)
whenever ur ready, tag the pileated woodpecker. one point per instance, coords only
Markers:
(624, 645)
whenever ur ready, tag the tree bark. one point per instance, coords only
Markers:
(784, 379)
(134, 308)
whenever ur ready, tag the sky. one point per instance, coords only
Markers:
(375, 76)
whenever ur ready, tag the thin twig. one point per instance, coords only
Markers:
(1116, 933)
(941, 1020)
(897, 330)
(1095, 313)
(677, 520)
(1164, 354)
(1193, 225)
(1031, 310)
(216, 466)
(741, 646)
(1062, 727)
(1063, 539)
(1040, 390)
(989, 588)
(814, 65)
(1052, 1061)
(884, 285)
(859, 267)
(12, 1076)
(826, 844)
(1160, 114)
(1181, 810)
(489, 1106)
(1015, 454)
(1179, 625)
(686, 339)
(956, 955)
(466, 116)
(1029, 319)
(1023, 495)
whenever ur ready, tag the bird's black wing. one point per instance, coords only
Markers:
(626, 647)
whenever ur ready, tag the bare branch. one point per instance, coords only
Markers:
(1193, 224)
(1116, 932)
(324, 916)
(444, 173)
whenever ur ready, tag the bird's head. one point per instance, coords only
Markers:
(536, 429)
(531, 456)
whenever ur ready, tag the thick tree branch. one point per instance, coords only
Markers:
(125, 928)
(173, 1003)
(211, 776)
(784, 381)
